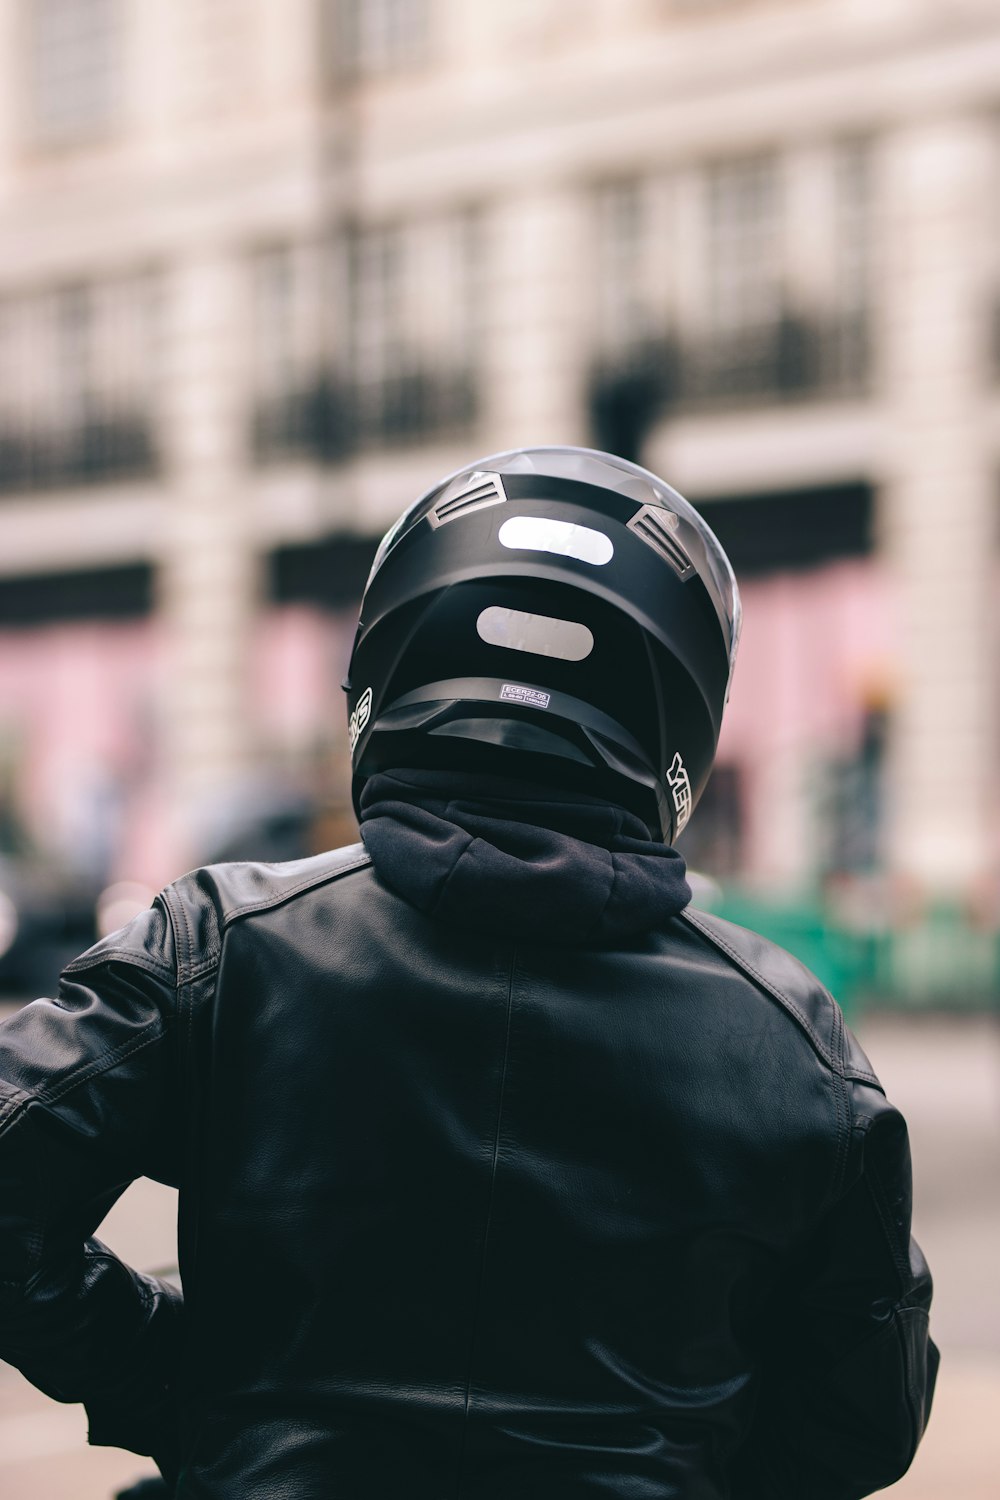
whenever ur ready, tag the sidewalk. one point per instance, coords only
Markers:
(945, 1077)
(959, 1458)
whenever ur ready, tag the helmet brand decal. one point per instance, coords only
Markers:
(513, 692)
(680, 785)
(359, 718)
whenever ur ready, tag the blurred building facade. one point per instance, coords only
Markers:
(268, 267)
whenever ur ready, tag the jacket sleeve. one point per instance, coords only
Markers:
(84, 1102)
(849, 1371)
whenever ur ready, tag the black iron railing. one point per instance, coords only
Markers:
(97, 451)
(788, 359)
(327, 420)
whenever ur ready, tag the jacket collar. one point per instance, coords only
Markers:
(518, 860)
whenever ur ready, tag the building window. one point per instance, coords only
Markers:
(622, 231)
(849, 351)
(740, 353)
(758, 345)
(379, 36)
(76, 385)
(74, 68)
(365, 342)
(743, 246)
(695, 299)
(633, 375)
(382, 346)
(299, 410)
(412, 329)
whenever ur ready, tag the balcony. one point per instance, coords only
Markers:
(329, 420)
(95, 452)
(311, 422)
(414, 405)
(791, 359)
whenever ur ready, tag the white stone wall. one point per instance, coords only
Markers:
(939, 180)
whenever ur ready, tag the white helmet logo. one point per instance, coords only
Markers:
(359, 718)
(680, 785)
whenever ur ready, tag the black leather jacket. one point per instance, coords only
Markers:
(461, 1215)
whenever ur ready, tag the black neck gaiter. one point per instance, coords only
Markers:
(518, 860)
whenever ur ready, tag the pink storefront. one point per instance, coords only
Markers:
(83, 705)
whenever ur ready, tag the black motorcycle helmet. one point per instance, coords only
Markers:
(555, 614)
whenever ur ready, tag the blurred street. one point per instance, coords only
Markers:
(944, 1074)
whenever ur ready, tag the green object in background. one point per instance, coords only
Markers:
(943, 960)
(938, 960)
(837, 958)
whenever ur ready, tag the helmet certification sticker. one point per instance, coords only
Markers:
(512, 692)
(680, 785)
(359, 718)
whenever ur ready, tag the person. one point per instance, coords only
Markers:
(504, 1173)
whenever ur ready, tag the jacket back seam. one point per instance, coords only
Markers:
(489, 1218)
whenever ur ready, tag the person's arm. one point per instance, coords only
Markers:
(849, 1369)
(85, 1107)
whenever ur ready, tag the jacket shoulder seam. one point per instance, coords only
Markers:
(178, 918)
(278, 898)
(120, 955)
(785, 1001)
(188, 972)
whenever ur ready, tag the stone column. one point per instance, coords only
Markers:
(208, 578)
(937, 182)
(535, 318)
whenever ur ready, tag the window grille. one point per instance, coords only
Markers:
(849, 356)
(73, 74)
(76, 384)
(622, 232)
(744, 250)
(297, 325)
(412, 335)
(365, 341)
(379, 36)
